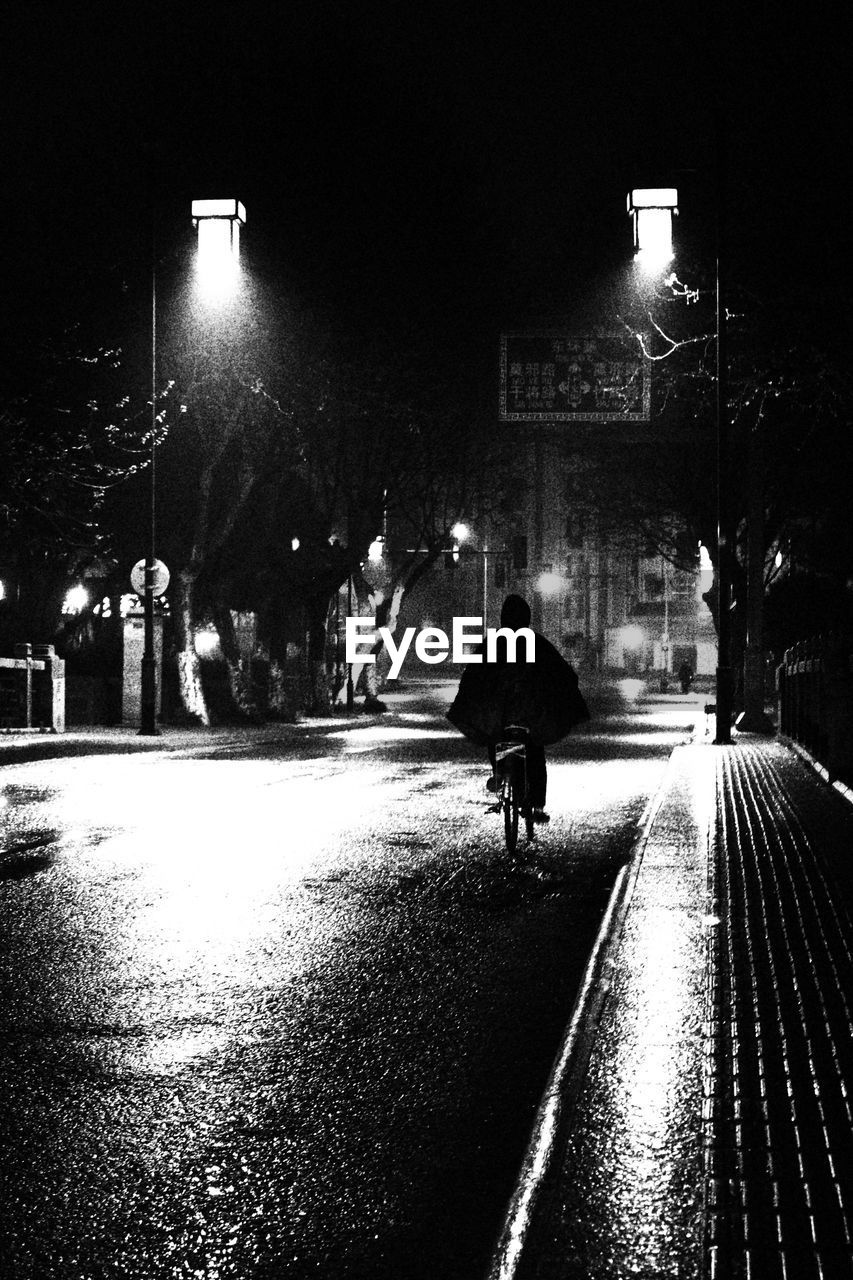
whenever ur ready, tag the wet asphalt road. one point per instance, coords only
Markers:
(289, 1011)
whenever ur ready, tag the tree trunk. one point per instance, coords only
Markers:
(282, 702)
(189, 671)
(375, 677)
(319, 691)
(239, 682)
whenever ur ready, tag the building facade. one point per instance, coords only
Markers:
(608, 605)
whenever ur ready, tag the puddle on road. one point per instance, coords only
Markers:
(20, 858)
(19, 866)
(16, 793)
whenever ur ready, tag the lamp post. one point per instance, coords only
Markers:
(148, 680)
(664, 640)
(350, 689)
(724, 681)
(218, 223)
(461, 532)
(652, 210)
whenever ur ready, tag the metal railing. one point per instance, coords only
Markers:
(32, 690)
(815, 684)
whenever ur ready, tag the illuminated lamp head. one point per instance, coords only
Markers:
(652, 210)
(218, 223)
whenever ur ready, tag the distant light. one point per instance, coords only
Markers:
(2, 590)
(551, 584)
(652, 209)
(206, 642)
(76, 600)
(294, 544)
(218, 223)
(705, 562)
(375, 550)
(128, 604)
(632, 637)
(460, 531)
(778, 560)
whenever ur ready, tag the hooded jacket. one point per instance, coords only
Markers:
(542, 695)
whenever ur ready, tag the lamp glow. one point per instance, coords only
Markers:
(551, 584)
(632, 637)
(652, 209)
(218, 223)
(206, 642)
(374, 553)
(76, 600)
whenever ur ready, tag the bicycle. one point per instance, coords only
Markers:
(511, 775)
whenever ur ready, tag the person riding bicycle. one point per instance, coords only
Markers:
(543, 696)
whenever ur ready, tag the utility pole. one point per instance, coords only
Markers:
(664, 647)
(148, 692)
(725, 687)
(753, 718)
(350, 691)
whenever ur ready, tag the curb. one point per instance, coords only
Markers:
(567, 1073)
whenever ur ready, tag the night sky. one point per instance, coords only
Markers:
(447, 168)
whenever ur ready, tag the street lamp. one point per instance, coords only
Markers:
(460, 533)
(218, 223)
(652, 209)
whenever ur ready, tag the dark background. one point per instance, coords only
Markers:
(444, 169)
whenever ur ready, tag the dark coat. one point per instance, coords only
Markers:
(542, 695)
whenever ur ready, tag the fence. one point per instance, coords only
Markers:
(32, 690)
(815, 681)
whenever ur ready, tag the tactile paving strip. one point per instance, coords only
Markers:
(778, 1071)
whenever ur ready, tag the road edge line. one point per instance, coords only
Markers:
(567, 1072)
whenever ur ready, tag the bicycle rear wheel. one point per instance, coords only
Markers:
(510, 808)
(528, 821)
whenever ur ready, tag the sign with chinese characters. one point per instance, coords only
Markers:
(553, 376)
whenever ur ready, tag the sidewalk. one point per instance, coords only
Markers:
(699, 1118)
(22, 747)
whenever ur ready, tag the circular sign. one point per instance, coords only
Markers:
(160, 577)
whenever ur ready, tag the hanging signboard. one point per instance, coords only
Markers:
(549, 375)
